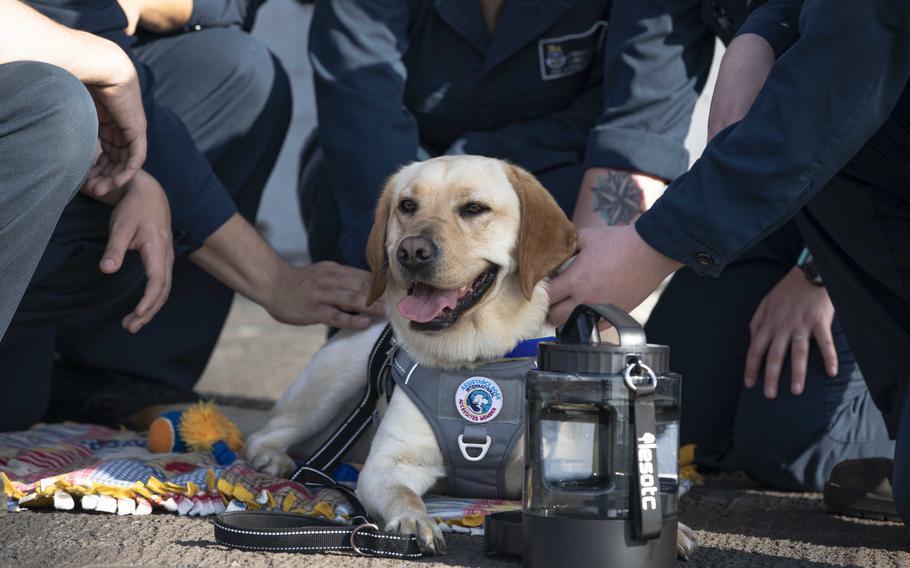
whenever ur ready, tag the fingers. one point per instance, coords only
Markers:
(754, 356)
(560, 312)
(122, 158)
(773, 364)
(759, 317)
(134, 160)
(799, 360)
(157, 259)
(337, 318)
(561, 291)
(348, 288)
(117, 245)
(822, 334)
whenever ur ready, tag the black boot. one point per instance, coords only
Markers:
(862, 488)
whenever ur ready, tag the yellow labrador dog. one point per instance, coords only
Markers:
(460, 253)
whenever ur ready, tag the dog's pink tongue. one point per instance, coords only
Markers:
(425, 303)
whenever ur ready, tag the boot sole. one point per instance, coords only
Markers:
(852, 503)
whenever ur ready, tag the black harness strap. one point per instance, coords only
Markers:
(328, 456)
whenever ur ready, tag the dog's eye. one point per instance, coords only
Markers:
(407, 206)
(473, 208)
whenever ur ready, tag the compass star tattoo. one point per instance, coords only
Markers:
(618, 199)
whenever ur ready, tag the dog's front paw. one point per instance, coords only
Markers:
(429, 537)
(270, 460)
(686, 542)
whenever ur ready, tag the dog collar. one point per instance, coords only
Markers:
(527, 348)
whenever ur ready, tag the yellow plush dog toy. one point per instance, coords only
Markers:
(201, 427)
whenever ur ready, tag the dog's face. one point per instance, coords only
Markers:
(460, 248)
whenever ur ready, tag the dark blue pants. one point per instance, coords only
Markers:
(229, 93)
(859, 234)
(788, 443)
(319, 209)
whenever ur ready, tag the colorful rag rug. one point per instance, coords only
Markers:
(95, 468)
(85, 467)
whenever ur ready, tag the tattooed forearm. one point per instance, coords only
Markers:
(617, 198)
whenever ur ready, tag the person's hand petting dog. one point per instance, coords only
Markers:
(792, 313)
(141, 221)
(324, 292)
(614, 265)
(608, 202)
(795, 310)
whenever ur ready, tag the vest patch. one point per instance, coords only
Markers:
(478, 399)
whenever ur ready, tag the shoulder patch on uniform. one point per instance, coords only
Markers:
(478, 399)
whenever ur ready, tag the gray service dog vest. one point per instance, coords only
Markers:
(477, 415)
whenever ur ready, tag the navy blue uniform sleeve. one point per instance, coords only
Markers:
(224, 13)
(777, 21)
(199, 203)
(824, 98)
(541, 143)
(658, 55)
(366, 133)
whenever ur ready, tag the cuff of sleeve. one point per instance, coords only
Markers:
(656, 228)
(194, 224)
(631, 150)
(781, 35)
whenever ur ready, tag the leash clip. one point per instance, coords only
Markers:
(354, 535)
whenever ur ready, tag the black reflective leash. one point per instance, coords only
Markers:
(282, 532)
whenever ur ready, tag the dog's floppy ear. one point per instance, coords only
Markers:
(546, 238)
(376, 255)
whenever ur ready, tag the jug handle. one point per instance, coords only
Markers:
(581, 327)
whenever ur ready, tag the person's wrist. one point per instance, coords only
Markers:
(661, 264)
(108, 65)
(267, 284)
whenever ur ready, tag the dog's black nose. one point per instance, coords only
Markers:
(415, 253)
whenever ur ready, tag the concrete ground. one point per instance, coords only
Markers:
(739, 524)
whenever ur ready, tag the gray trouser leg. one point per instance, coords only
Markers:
(48, 129)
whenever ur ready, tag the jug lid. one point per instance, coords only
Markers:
(578, 347)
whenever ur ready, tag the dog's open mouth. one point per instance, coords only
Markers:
(433, 309)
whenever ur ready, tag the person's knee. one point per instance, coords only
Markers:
(761, 455)
(778, 447)
(256, 76)
(65, 113)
